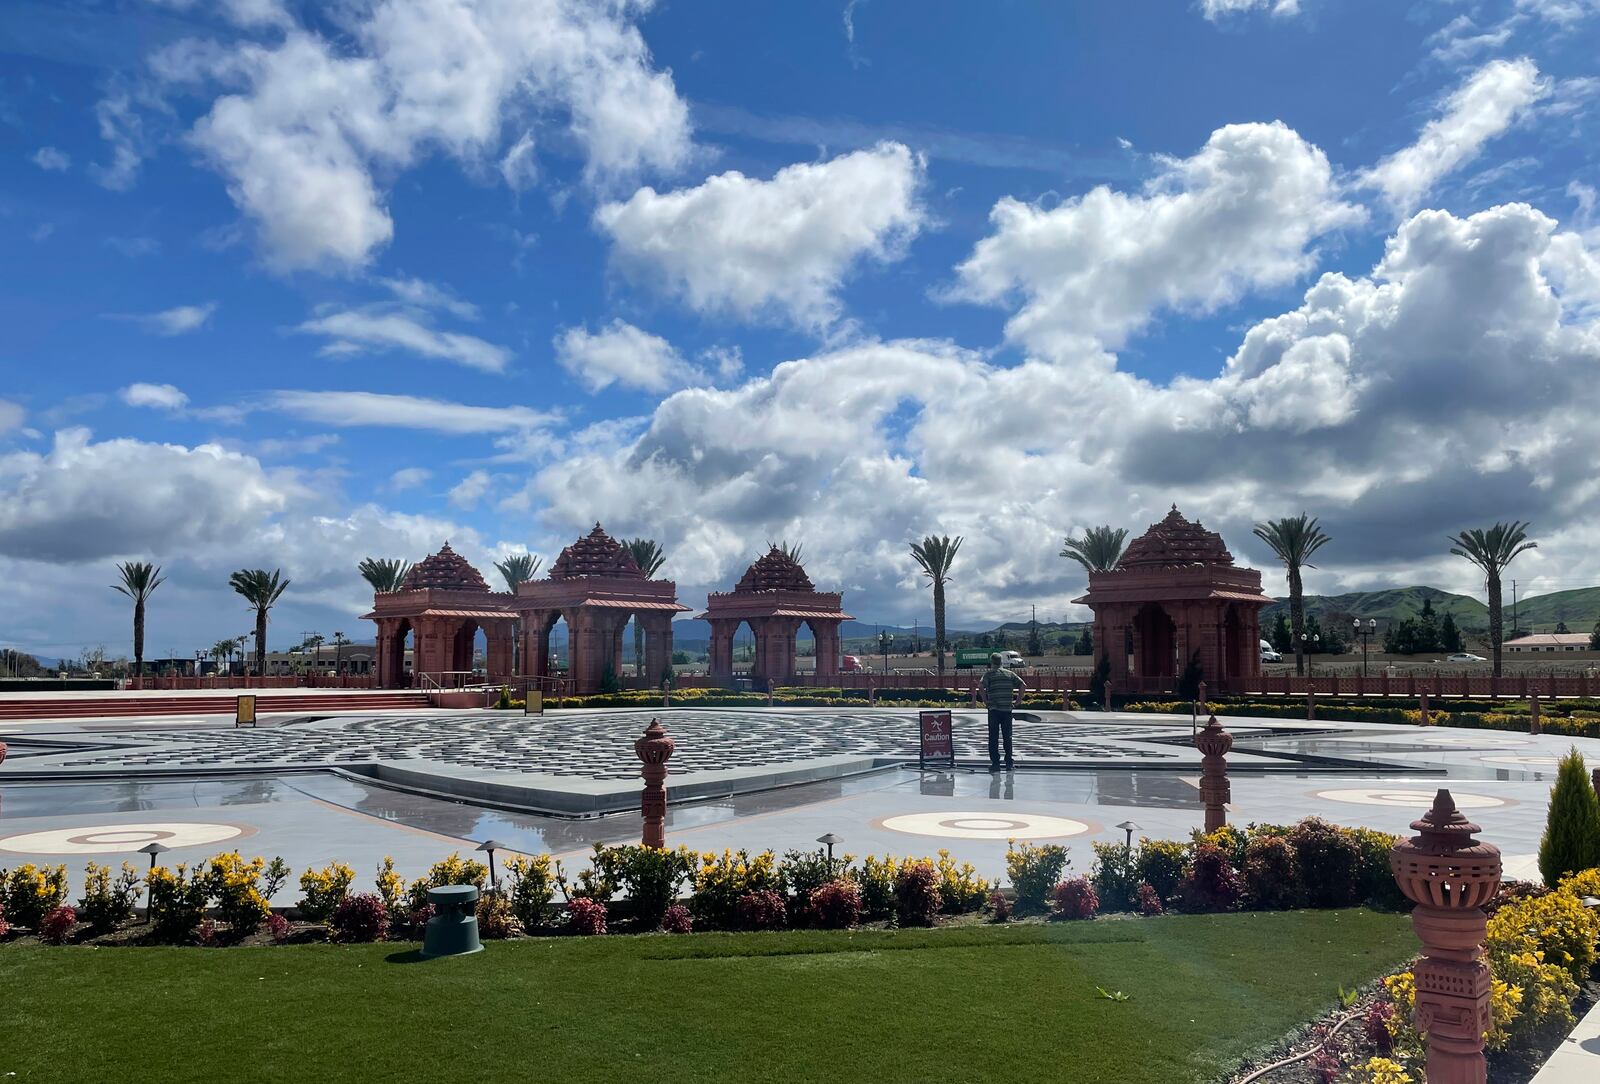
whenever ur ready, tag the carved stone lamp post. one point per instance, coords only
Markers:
(1449, 876)
(654, 749)
(1214, 743)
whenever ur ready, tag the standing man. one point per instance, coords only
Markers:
(1000, 688)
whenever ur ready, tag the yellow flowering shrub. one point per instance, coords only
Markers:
(453, 870)
(108, 901)
(236, 886)
(532, 887)
(390, 885)
(875, 877)
(177, 901)
(1378, 1071)
(1034, 870)
(30, 892)
(1555, 924)
(1505, 1005)
(1544, 994)
(722, 879)
(324, 889)
(960, 887)
(1579, 885)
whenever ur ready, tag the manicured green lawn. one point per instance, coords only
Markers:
(963, 1004)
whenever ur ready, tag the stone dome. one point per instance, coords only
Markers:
(595, 554)
(775, 571)
(1175, 542)
(446, 570)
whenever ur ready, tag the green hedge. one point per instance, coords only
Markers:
(1577, 718)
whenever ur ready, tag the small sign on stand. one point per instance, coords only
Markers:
(244, 710)
(938, 739)
(533, 704)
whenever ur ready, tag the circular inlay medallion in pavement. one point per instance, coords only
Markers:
(1410, 799)
(1531, 761)
(120, 838)
(984, 825)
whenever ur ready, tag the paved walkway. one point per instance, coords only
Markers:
(1577, 1060)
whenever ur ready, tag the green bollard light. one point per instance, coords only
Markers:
(453, 929)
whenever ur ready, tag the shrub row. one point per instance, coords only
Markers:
(1573, 718)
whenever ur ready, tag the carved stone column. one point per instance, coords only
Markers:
(1215, 791)
(1449, 876)
(654, 749)
(1533, 714)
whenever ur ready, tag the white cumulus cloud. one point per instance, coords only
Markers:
(1241, 214)
(1489, 102)
(158, 396)
(750, 248)
(627, 356)
(309, 124)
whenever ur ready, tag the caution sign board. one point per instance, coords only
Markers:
(245, 711)
(938, 738)
(534, 704)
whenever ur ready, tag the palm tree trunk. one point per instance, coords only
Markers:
(938, 625)
(261, 642)
(1494, 620)
(138, 640)
(1297, 620)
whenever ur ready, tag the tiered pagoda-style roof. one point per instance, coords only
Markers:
(595, 554)
(446, 570)
(1175, 543)
(775, 570)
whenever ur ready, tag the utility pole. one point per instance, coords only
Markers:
(1514, 625)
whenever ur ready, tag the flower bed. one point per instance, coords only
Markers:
(1572, 718)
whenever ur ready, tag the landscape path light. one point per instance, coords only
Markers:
(489, 846)
(829, 840)
(153, 850)
(1129, 827)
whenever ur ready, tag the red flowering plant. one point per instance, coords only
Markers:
(1075, 898)
(586, 917)
(836, 905)
(57, 924)
(761, 910)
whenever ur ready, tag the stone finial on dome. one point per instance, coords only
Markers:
(1175, 542)
(775, 570)
(595, 554)
(446, 570)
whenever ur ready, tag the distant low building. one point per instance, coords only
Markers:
(1548, 642)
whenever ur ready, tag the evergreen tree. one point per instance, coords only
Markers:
(1561, 626)
(1282, 639)
(1594, 638)
(1035, 645)
(1450, 640)
(1085, 644)
(1427, 628)
(1571, 839)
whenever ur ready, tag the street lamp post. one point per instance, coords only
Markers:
(885, 642)
(1306, 645)
(1364, 633)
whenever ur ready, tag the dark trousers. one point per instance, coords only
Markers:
(999, 723)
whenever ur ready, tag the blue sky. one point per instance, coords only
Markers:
(290, 284)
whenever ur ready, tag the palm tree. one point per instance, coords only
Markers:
(1492, 550)
(338, 651)
(261, 590)
(647, 554)
(1098, 550)
(517, 569)
(220, 651)
(139, 579)
(935, 554)
(385, 574)
(1295, 539)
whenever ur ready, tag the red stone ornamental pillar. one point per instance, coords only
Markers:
(654, 749)
(1449, 876)
(1422, 702)
(1533, 714)
(1214, 743)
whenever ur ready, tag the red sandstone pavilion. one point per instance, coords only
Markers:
(776, 597)
(595, 585)
(1177, 596)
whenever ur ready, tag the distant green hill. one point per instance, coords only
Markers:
(1580, 608)
(1387, 607)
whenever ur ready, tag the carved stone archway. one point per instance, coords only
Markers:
(443, 603)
